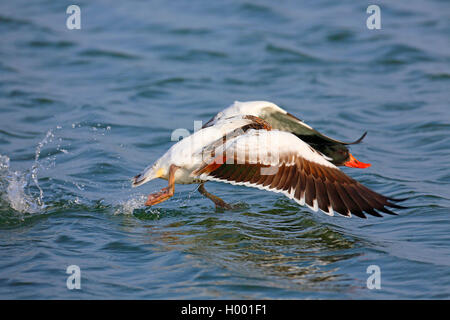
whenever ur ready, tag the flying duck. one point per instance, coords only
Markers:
(255, 150)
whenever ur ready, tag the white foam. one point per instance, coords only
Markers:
(128, 206)
(13, 187)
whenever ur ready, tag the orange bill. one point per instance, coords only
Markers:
(353, 163)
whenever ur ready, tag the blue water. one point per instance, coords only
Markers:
(82, 111)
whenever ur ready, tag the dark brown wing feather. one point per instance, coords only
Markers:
(320, 187)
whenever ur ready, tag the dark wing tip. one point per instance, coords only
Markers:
(397, 199)
(385, 210)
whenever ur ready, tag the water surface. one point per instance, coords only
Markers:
(82, 111)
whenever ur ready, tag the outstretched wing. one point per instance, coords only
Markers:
(290, 123)
(280, 162)
(281, 120)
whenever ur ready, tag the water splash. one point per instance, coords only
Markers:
(15, 186)
(34, 169)
(135, 205)
(128, 206)
(186, 201)
(14, 191)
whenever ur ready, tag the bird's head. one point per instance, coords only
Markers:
(159, 169)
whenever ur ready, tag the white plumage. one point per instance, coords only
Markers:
(238, 147)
